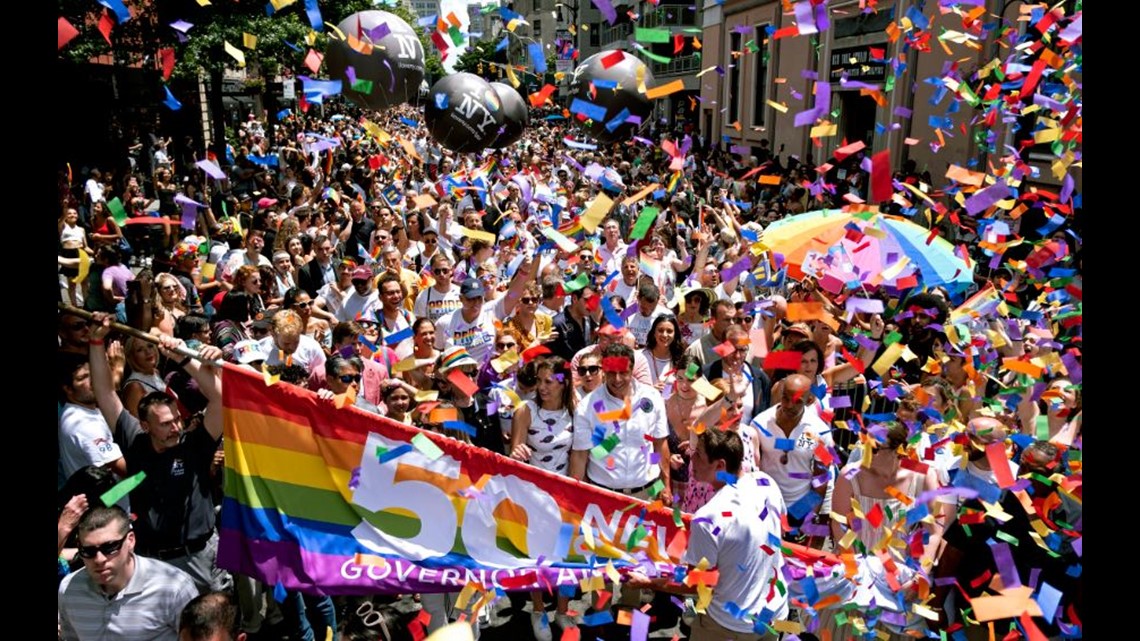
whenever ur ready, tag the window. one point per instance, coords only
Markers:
(760, 77)
(733, 61)
(537, 30)
(595, 34)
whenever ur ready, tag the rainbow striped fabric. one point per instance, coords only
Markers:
(338, 501)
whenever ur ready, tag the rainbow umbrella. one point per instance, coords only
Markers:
(865, 250)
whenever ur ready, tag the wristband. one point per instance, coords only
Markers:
(184, 362)
(95, 341)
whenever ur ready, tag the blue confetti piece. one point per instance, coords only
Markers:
(811, 592)
(605, 84)
(284, 113)
(588, 109)
(401, 335)
(598, 618)
(805, 505)
(441, 101)
(1048, 598)
(279, 592)
(611, 314)
(428, 21)
(411, 123)
(395, 453)
(726, 478)
(617, 120)
(314, 14)
(785, 444)
(122, 14)
(170, 100)
(460, 426)
(502, 45)
(538, 59)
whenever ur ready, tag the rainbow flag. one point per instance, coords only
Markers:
(981, 305)
(339, 501)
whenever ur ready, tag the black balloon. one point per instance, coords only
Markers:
(463, 112)
(395, 65)
(626, 96)
(516, 116)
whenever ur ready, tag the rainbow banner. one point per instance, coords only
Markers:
(338, 501)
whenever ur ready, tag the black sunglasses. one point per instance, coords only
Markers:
(303, 305)
(109, 549)
(349, 378)
(584, 370)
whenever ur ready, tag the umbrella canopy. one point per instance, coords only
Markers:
(866, 250)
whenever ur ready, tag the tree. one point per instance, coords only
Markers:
(432, 63)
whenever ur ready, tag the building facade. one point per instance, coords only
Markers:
(736, 106)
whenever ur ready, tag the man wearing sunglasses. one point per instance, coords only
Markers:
(342, 379)
(120, 594)
(442, 298)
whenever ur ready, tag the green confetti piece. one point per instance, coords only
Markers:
(677, 517)
(117, 210)
(606, 446)
(693, 370)
(644, 222)
(841, 618)
(122, 488)
(889, 84)
(636, 536)
(656, 488)
(426, 446)
(1042, 427)
(456, 35)
(892, 338)
(652, 35)
(578, 283)
(751, 46)
(362, 85)
(381, 451)
(1008, 538)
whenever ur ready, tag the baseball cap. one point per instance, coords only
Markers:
(362, 273)
(471, 288)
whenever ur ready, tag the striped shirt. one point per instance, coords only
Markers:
(146, 609)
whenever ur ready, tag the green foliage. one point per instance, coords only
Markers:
(482, 53)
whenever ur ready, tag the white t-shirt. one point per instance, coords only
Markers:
(356, 306)
(628, 293)
(639, 325)
(308, 355)
(632, 467)
(736, 296)
(403, 321)
(434, 305)
(84, 439)
(728, 531)
(94, 190)
(334, 300)
(611, 260)
(806, 435)
(476, 337)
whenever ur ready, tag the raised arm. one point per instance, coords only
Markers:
(102, 379)
(208, 377)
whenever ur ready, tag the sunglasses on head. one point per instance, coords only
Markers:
(584, 370)
(109, 549)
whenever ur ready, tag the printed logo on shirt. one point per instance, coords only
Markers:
(104, 444)
(438, 308)
(177, 468)
(805, 442)
(470, 337)
(645, 405)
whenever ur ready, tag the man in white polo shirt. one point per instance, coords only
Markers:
(638, 435)
(732, 532)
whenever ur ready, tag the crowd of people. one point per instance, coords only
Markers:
(352, 256)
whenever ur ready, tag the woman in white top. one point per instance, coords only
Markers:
(884, 484)
(663, 350)
(72, 240)
(142, 357)
(541, 434)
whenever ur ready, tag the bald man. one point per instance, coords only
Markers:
(789, 436)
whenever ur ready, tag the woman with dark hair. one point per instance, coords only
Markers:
(299, 301)
(230, 322)
(541, 433)
(425, 353)
(683, 409)
(663, 350)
